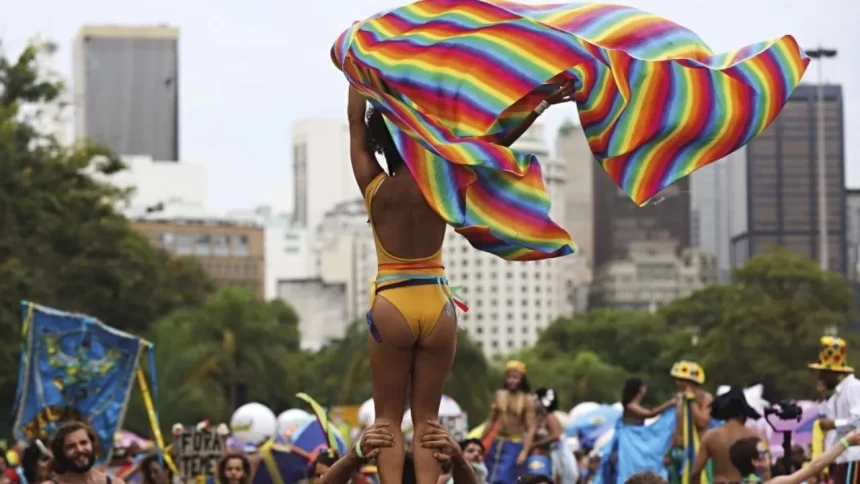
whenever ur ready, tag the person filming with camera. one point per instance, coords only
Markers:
(836, 417)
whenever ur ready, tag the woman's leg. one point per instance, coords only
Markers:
(433, 359)
(390, 365)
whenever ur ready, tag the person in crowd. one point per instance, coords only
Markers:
(633, 412)
(36, 462)
(447, 451)
(152, 472)
(513, 417)
(844, 389)
(412, 319)
(324, 461)
(234, 468)
(753, 461)
(74, 452)
(547, 441)
(692, 418)
(6, 472)
(376, 437)
(473, 453)
(645, 477)
(732, 408)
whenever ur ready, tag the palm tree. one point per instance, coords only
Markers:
(233, 349)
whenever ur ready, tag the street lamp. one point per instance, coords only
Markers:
(823, 244)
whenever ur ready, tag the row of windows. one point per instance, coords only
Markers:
(493, 276)
(494, 290)
(495, 317)
(204, 244)
(510, 329)
(232, 270)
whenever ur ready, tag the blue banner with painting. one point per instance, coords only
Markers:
(73, 367)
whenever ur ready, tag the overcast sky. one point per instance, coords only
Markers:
(248, 70)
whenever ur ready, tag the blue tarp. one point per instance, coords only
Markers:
(639, 448)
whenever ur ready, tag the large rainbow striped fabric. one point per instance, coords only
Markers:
(655, 103)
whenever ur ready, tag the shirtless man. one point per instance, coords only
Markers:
(688, 376)
(514, 412)
(73, 448)
(733, 409)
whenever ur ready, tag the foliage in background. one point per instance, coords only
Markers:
(62, 243)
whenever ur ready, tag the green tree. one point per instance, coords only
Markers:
(575, 377)
(62, 243)
(765, 327)
(637, 342)
(209, 358)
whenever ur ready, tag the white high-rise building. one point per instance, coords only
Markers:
(288, 254)
(322, 174)
(511, 302)
(713, 207)
(572, 148)
(168, 188)
(852, 222)
(342, 261)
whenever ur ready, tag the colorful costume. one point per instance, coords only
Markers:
(501, 458)
(416, 287)
(454, 76)
(683, 456)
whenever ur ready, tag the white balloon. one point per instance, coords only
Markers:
(292, 420)
(253, 423)
(366, 413)
(582, 409)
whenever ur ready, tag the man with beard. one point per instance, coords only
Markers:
(838, 378)
(512, 418)
(74, 456)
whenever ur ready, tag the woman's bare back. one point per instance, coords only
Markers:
(406, 225)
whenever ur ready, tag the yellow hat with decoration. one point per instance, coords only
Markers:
(514, 365)
(833, 356)
(688, 370)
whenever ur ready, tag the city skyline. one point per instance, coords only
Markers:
(229, 55)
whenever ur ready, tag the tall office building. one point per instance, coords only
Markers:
(126, 89)
(572, 148)
(775, 195)
(322, 176)
(710, 210)
(618, 221)
(852, 206)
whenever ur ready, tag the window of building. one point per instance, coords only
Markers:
(184, 244)
(204, 245)
(165, 241)
(220, 245)
(240, 246)
(494, 344)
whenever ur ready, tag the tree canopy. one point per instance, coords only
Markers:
(62, 242)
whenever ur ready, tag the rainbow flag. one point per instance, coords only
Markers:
(452, 76)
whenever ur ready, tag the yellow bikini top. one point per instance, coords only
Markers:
(382, 255)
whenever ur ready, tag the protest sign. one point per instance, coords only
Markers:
(199, 451)
(456, 425)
